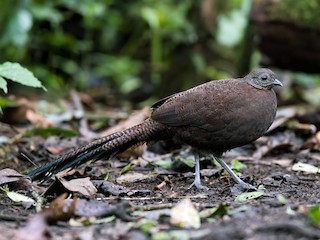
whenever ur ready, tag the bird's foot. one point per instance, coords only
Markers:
(197, 180)
(242, 187)
(245, 186)
(198, 185)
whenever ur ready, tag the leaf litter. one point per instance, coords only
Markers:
(285, 163)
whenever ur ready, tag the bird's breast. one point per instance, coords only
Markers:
(228, 119)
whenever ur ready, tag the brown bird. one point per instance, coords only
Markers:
(213, 117)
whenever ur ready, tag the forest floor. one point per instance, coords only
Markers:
(143, 194)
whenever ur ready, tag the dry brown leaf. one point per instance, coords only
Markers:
(313, 142)
(132, 177)
(59, 209)
(17, 114)
(36, 227)
(286, 140)
(81, 185)
(37, 119)
(8, 175)
(160, 186)
(109, 188)
(286, 162)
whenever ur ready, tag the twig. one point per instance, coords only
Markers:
(12, 217)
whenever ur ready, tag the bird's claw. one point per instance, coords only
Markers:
(246, 186)
(198, 185)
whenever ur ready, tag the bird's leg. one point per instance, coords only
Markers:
(232, 174)
(197, 180)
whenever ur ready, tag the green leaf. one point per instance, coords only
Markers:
(104, 220)
(243, 197)
(3, 85)
(186, 158)
(220, 210)
(16, 30)
(126, 168)
(8, 103)
(176, 234)
(189, 161)
(15, 72)
(314, 214)
(151, 17)
(237, 165)
(106, 177)
(146, 225)
(17, 197)
(47, 132)
(281, 199)
(163, 164)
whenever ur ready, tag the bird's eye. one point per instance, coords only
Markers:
(264, 77)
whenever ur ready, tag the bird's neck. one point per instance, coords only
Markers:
(255, 85)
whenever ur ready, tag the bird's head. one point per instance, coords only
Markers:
(263, 78)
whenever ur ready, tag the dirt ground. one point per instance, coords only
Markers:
(139, 203)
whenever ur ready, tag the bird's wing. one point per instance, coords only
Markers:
(185, 108)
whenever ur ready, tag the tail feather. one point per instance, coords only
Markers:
(105, 147)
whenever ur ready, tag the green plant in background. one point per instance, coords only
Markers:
(123, 45)
(314, 215)
(303, 13)
(162, 25)
(18, 74)
(89, 41)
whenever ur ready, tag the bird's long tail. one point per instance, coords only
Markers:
(104, 147)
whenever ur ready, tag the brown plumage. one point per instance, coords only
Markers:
(213, 117)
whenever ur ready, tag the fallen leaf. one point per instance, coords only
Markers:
(314, 215)
(134, 177)
(313, 142)
(37, 119)
(166, 183)
(283, 162)
(305, 167)
(109, 188)
(284, 141)
(126, 168)
(185, 215)
(243, 197)
(60, 209)
(80, 185)
(8, 175)
(19, 198)
(220, 210)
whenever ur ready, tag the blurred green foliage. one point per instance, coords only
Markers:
(122, 45)
(16, 73)
(303, 13)
(127, 45)
(84, 41)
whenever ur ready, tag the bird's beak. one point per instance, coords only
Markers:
(277, 82)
